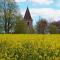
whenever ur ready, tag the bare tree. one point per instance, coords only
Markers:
(9, 15)
(41, 25)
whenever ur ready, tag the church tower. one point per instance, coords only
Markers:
(28, 18)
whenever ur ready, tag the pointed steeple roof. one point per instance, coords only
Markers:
(27, 15)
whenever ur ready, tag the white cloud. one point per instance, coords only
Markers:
(20, 0)
(47, 13)
(43, 1)
(37, 1)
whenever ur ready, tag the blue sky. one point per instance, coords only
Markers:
(47, 9)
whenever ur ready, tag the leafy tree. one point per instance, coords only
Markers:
(21, 26)
(57, 24)
(53, 29)
(41, 26)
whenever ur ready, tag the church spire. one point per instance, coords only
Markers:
(27, 14)
(28, 18)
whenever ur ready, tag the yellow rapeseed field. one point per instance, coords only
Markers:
(46, 39)
(29, 47)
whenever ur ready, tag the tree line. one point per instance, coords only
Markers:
(12, 22)
(44, 27)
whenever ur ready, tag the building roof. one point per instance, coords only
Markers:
(27, 15)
